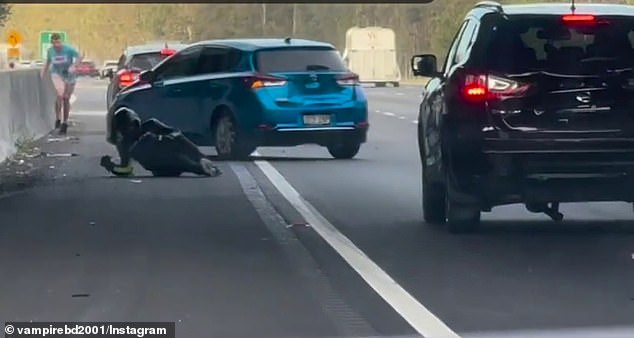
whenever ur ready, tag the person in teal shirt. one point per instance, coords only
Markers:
(61, 60)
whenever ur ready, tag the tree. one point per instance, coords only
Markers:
(5, 11)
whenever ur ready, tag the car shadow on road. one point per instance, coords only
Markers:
(571, 227)
(274, 159)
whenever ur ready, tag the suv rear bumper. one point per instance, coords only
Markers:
(303, 135)
(536, 169)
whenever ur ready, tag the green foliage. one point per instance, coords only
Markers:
(5, 11)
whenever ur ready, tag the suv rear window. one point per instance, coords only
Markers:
(548, 44)
(145, 61)
(299, 60)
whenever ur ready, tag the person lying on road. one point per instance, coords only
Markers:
(157, 147)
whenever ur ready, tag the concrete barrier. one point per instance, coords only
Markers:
(27, 108)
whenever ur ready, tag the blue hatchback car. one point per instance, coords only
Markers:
(239, 94)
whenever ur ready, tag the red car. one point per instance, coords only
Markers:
(87, 68)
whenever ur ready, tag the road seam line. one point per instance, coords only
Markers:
(419, 317)
(347, 321)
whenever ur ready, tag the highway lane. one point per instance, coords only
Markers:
(197, 251)
(521, 272)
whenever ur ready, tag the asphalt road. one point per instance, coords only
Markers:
(232, 256)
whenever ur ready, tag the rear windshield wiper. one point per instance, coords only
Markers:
(317, 67)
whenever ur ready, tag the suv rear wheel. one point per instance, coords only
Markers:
(434, 208)
(229, 145)
(461, 217)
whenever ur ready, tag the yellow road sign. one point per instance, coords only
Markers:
(14, 38)
(13, 53)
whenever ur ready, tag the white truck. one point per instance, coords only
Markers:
(371, 53)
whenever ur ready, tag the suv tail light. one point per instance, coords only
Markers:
(126, 77)
(261, 81)
(350, 79)
(482, 87)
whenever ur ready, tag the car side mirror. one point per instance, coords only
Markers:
(147, 76)
(425, 65)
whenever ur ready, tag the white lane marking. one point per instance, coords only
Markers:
(419, 317)
(88, 113)
(400, 94)
(389, 114)
(377, 111)
(415, 122)
(401, 117)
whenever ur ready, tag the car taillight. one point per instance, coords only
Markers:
(578, 18)
(351, 79)
(167, 51)
(482, 87)
(262, 81)
(126, 78)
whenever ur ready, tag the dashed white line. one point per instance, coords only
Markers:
(401, 117)
(377, 111)
(415, 122)
(389, 114)
(419, 317)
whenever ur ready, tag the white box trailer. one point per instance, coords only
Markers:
(371, 53)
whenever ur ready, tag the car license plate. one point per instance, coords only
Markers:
(316, 119)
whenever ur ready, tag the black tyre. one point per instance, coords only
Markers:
(166, 173)
(434, 208)
(461, 217)
(396, 84)
(345, 150)
(380, 84)
(229, 145)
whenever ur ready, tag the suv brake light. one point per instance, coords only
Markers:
(126, 77)
(482, 87)
(167, 51)
(261, 81)
(350, 79)
(578, 18)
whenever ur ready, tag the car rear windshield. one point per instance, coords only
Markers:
(526, 44)
(299, 60)
(145, 61)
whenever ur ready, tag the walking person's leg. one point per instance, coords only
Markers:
(69, 88)
(60, 88)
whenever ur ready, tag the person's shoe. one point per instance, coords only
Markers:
(58, 123)
(209, 168)
(63, 128)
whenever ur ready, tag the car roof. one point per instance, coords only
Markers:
(263, 43)
(151, 48)
(565, 8)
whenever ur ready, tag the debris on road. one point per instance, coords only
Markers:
(296, 225)
(61, 154)
(62, 139)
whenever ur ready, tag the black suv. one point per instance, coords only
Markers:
(133, 61)
(534, 105)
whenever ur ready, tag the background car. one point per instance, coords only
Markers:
(240, 94)
(87, 68)
(133, 61)
(108, 68)
(548, 120)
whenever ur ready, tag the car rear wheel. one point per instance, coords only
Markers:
(434, 208)
(396, 84)
(461, 216)
(229, 145)
(344, 150)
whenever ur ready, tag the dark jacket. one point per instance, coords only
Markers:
(158, 148)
